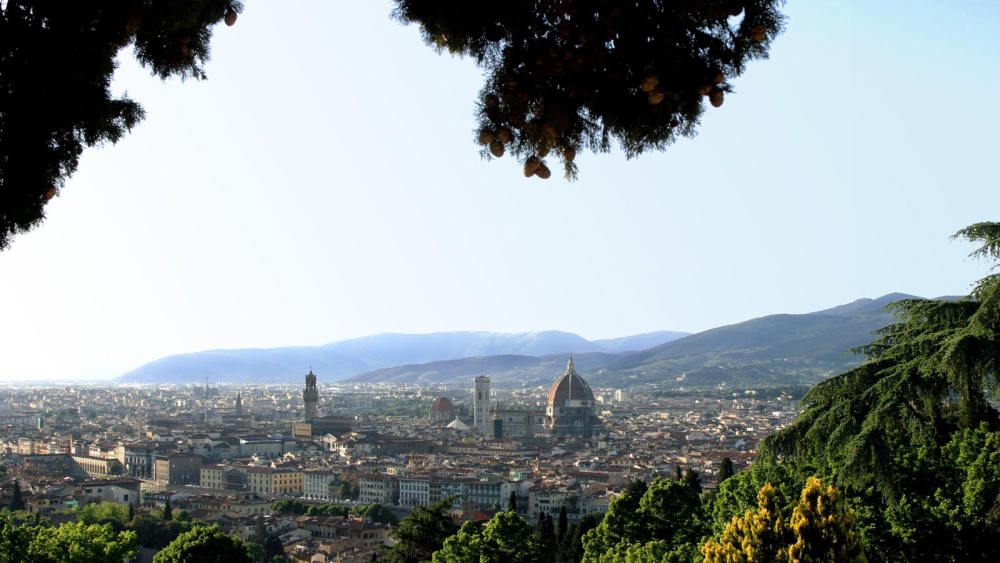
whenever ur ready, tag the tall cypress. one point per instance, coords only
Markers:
(168, 511)
(512, 503)
(563, 524)
(16, 500)
(725, 470)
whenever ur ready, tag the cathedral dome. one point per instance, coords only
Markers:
(442, 405)
(569, 387)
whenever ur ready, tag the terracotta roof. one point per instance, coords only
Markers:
(442, 405)
(570, 387)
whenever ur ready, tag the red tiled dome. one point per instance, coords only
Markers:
(442, 405)
(570, 387)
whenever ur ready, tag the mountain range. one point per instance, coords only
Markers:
(346, 358)
(772, 350)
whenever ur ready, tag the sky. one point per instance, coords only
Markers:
(323, 184)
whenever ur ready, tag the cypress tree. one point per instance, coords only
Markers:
(563, 524)
(168, 512)
(16, 500)
(725, 470)
(512, 502)
(693, 480)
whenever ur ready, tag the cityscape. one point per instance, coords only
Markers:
(528, 281)
(225, 454)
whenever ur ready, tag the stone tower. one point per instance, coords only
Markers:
(310, 396)
(481, 406)
(239, 404)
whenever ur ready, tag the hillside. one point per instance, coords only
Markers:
(342, 359)
(773, 350)
(506, 370)
(776, 349)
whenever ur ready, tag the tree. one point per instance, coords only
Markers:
(16, 500)
(821, 530)
(881, 432)
(547, 540)
(669, 512)
(377, 513)
(273, 548)
(105, 513)
(14, 540)
(562, 525)
(725, 470)
(49, 117)
(564, 76)
(512, 502)
(571, 548)
(168, 511)
(77, 542)
(561, 76)
(203, 544)
(422, 533)
(693, 480)
(506, 537)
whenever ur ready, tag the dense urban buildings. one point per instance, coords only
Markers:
(226, 453)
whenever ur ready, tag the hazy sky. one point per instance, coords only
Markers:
(323, 184)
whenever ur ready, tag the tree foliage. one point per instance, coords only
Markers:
(506, 537)
(56, 65)
(203, 544)
(16, 499)
(908, 435)
(566, 75)
(422, 533)
(821, 530)
(668, 513)
(725, 470)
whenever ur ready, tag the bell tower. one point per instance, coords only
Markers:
(310, 396)
(481, 406)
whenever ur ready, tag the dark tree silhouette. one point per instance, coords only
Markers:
(56, 64)
(563, 75)
(16, 500)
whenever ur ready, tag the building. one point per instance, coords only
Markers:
(442, 411)
(310, 396)
(378, 488)
(481, 419)
(570, 410)
(177, 469)
(317, 484)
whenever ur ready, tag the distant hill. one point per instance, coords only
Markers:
(506, 370)
(639, 341)
(772, 350)
(776, 349)
(342, 359)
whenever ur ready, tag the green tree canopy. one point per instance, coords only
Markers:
(77, 542)
(506, 537)
(422, 533)
(203, 544)
(907, 434)
(669, 512)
